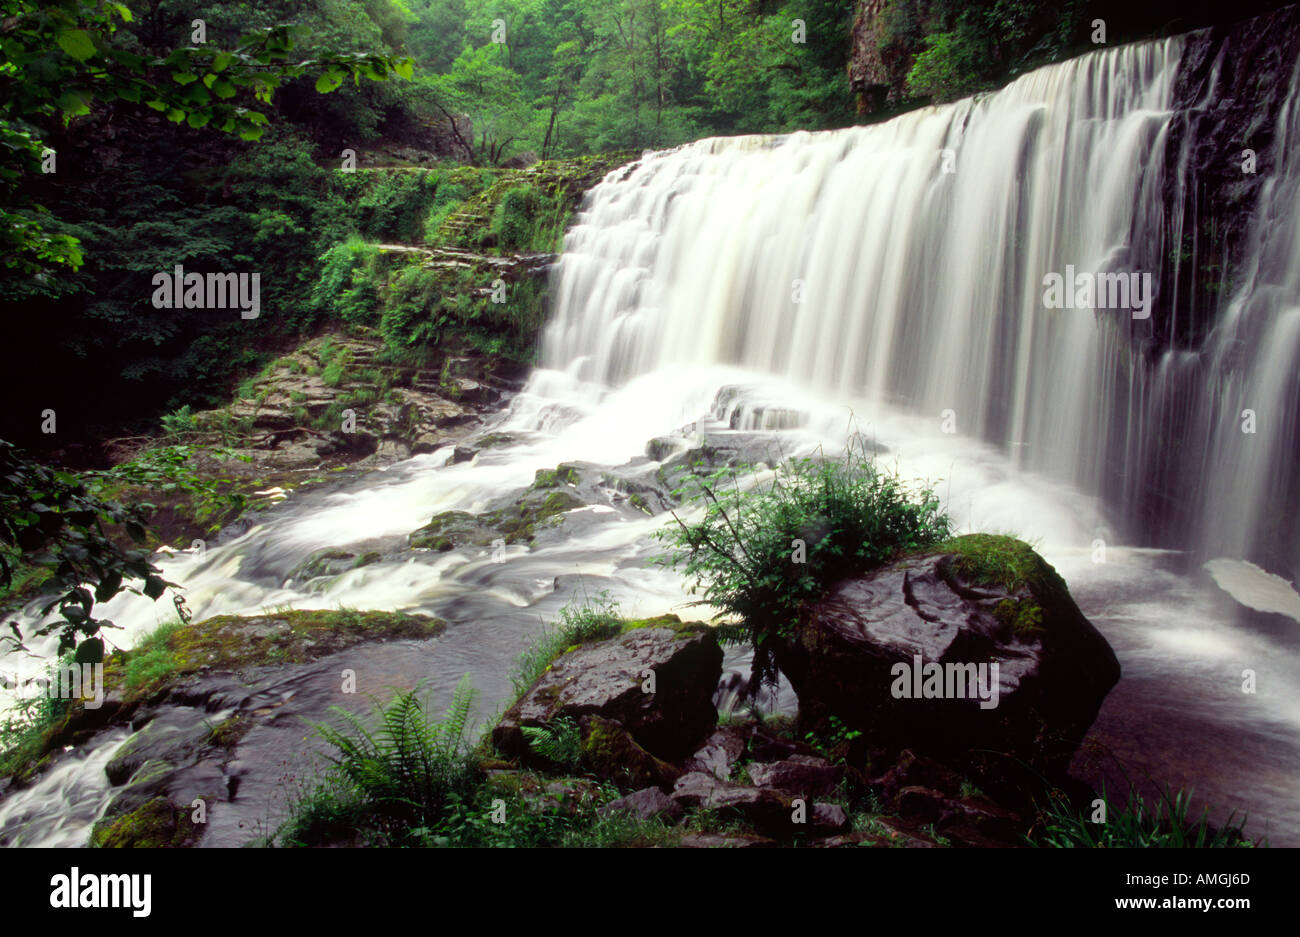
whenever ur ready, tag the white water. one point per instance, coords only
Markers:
(921, 293)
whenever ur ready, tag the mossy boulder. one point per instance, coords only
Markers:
(609, 751)
(655, 681)
(452, 529)
(971, 651)
(156, 824)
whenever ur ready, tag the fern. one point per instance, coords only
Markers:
(560, 742)
(407, 771)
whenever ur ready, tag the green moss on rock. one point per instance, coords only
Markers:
(232, 642)
(157, 824)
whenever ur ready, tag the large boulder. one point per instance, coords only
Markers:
(609, 679)
(976, 652)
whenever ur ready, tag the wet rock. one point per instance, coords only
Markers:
(644, 804)
(764, 808)
(170, 739)
(323, 563)
(606, 678)
(916, 770)
(538, 795)
(828, 818)
(454, 529)
(852, 655)
(724, 841)
(802, 775)
(610, 752)
(722, 750)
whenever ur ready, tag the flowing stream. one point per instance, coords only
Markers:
(886, 281)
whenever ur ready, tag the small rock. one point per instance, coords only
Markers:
(644, 804)
(724, 841)
(799, 774)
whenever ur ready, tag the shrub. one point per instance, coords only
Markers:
(413, 313)
(397, 784)
(512, 222)
(1136, 823)
(178, 422)
(760, 550)
(348, 281)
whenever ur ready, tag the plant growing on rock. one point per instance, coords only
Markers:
(765, 545)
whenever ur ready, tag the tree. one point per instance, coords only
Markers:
(50, 519)
(61, 58)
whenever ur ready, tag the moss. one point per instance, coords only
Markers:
(671, 622)
(229, 732)
(639, 503)
(995, 559)
(610, 752)
(231, 642)
(1023, 616)
(558, 502)
(553, 478)
(157, 824)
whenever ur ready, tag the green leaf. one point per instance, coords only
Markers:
(175, 115)
(76, 42)
(223, 89)
(197, 120)
(328, 81)
(74, 103)
(90, 651)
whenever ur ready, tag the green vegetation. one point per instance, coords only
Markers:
(54, 521)
(25, 728)
(763, 546)
(559, 743)
(595, 618)
(1137, 822)
(232, 642)
(395, 784)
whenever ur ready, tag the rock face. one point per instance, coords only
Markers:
(1229, 94)
(991, 602)
(877, 75)
(605, 679)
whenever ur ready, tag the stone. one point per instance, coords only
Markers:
(724, 841)
(644, 804)
(802, 775)
(848, 652)
(722, 750)
(760, 806)
(605, 678)
(609, 751)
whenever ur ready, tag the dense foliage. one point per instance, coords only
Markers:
(763, 546)
(49, 519)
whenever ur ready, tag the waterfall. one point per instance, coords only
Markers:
(905, 263)
(893, 280)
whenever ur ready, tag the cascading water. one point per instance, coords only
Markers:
(887, 280)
